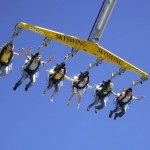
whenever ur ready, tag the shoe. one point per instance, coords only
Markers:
(96, 110)
(26, 88)
(115, 117)
(44, 92)
(88, 109)
(51, 99)
(68, 103)
(110, 114)
(14, 88)
(78, 105)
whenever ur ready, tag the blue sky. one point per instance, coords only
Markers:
(30, 121)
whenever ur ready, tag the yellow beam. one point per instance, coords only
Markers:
(87, 46)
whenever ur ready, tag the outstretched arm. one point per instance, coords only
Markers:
(116, 95)
(68, 78)
(50, 59)
(91, 86)
(139, 98)
(27, 54)
(1, 48)
(50, 71)
(19, 54)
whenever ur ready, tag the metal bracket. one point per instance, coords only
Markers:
(92, 65)
(45, 43)
(114, 74)
(18, 30)
(136, 82)
(71, 54)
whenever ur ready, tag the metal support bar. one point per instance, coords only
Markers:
(18, 30)
(45, 43)
(71, 54)
(136, 82)
(92, 65)
(114, 74)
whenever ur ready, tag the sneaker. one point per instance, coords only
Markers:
(88, 109)
(51, 99)
(44, 92)
(96, 110)
(26, 88)
(78, 105)
(115, 117)
(68, 103)
(14, 88)
(110, 114)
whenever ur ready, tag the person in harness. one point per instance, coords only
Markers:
(122, 102)
(30, 69)
(101, 93)
(80, 83)
(6, 56)
(56, 76)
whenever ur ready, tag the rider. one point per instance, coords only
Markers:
(30, 69)
(80, 83)
(122, 101)
(6, 55)
(56, 75)
(101, 93)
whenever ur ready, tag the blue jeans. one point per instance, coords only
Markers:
(3, 70)
(122, 108)
(96, 101)
(52, 83)
(24, 77)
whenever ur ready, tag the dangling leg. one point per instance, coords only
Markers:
(55, 91)
(24, 77)
(115, 110)
(79, 98)
(30, 83)
(96, 100)
(74, 92)
(99, 107)
(3, 70)
(123, 111)
(49, 86)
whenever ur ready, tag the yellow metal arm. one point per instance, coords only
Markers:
(87, 46)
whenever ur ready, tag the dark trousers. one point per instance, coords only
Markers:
(96, 101)
(120, 107)
(24, 77)
(54, 84)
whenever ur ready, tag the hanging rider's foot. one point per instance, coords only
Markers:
(110, 114)
(78, 105)
(96, 110)
(116, 115)
(68, 103)
(51, 99)
(44, 92)
(88, 109)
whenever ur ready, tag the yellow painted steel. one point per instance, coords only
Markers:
(87, 46)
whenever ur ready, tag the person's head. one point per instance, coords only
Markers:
(9, 47)
(110, 86)
(59, 67)
(84, 75)
(37, 57)
(62, 71)
(129, 92)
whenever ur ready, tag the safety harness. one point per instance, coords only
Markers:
(57, 69)
(82, 76)
(120, 101)
(29, 64)
(104, 85)
(1, 55)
